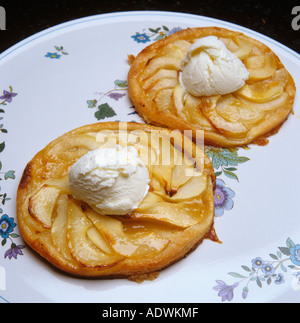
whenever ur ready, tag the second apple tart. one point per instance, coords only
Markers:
(226, 83)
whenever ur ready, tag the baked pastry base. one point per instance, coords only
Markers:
(77, 240)
(249, 115)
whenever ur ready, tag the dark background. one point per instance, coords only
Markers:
(271, 18)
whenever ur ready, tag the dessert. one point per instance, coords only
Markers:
(116, 200)
(228, 84)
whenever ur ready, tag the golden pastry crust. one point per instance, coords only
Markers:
(248, 115)
(175, 216)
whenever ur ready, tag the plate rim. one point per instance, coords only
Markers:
(30, 40)
(14, 48)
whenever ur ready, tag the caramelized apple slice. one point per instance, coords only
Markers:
(72, 145)
(163, 100)
(97, 239)
(168, 157)
(163, 173)
(162, 84)
(194, 107)
(232, 129)
(261, 92)
(59, 228)
(141, 244)
(245, 48)
(270, 105)
(183, 45)
(147, 153)
(193, 188)
(261, 66)
(233, 110)
(182, 214)
(181, 174)
(178, 100)
(156, 187)
(82, 249)
(161, 74)
(42, 203)
(170, 61)
(188, 107)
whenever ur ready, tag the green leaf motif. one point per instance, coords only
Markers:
(2, 146)
(231, 175)
(10, 174)
(290, 243)
(283, 268)
(91, 103)
(218, 173)
(285, 251)
(225, 157)
(155, 30)
(236, 275)
(258, 282)
(120, 83)
(104, 111)
(273, 256)
(246, 268)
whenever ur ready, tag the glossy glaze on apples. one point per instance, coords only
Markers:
(248, 115)
(175, 216)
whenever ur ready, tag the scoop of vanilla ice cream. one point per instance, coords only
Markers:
(111, 181)
(209, 68)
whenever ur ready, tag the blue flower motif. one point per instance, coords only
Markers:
(6, 226)
(174, 30)
(295, 255)
(279, 279)
(225, 291)
(268, 269)
(53, 55)
(257, 262)
(141, 38)
(222, 198)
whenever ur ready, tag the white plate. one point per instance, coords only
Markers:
(56, 74)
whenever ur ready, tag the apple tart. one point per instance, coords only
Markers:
(248, 115)
(174, 217)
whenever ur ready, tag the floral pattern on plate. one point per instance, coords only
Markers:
(154, 34)
(7, 223)
(104, 110)
(265, 272)
(225, 162)
(57, 54)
